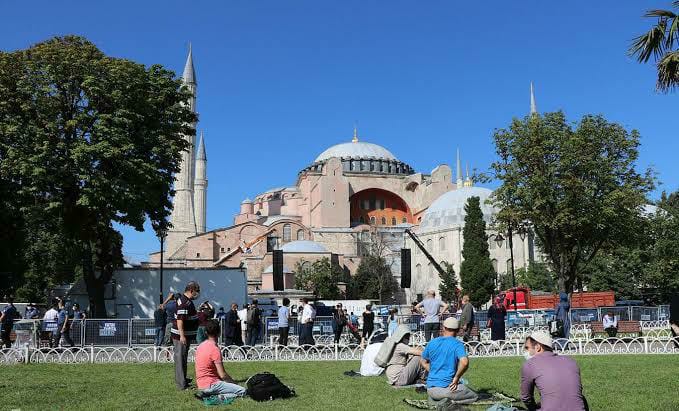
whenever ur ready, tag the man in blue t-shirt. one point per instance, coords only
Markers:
(63, 326)
(446, 360)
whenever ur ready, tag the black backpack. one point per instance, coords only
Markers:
(266, 386)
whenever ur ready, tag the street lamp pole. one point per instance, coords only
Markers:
(161, 235)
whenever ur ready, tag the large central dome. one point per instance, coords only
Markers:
(358, 149)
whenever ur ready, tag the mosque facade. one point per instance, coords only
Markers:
(351, 196)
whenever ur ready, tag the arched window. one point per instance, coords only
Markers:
(404, 220)
(418, 271)
(393, 220)
(509, 266)
(491, 242)
(300, 235)
(431, 270)
(429, 242)
(373, 220)
(442, 244)
(287, 232)
(494, 262)
(384, 221)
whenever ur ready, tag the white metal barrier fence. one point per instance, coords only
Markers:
(322, 352)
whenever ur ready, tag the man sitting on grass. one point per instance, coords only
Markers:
(557, 377)
(211, 377)
(446, 361)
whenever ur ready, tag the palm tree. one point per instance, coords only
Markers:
(661, 42)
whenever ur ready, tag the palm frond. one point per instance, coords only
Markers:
(660, 13)
(672, 33)
(652, 43)
(668, 72)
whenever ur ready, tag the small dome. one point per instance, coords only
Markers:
(358, 149)
(246, 201)
(304, 246)
(448, 210)
(269, 270)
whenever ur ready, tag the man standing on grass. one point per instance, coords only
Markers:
(467, 318)
(446, 361)
(284, 322)
(254, 323)
(232, 335)
(308, 316)
(63, 326)
(430, 307)
(556, 377)
(9, 312)
(160, 321)
(211, 377)
(184, 330)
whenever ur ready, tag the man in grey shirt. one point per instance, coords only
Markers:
(467, 318)
(556, 377)
(429, 307)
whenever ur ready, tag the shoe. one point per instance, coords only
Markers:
(188, 382)
(420, 390)
(198, 395)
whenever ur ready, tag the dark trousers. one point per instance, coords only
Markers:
(283, 335)
(367, 331)
(66, 335)
(431, 330)
(307, 334)
(338, 333)
(5, 333)
(467, 331)
(181, 354)
(160, 335)
(253, 334)
(612, 331)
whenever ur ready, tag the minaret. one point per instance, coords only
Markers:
(355, 138)
(459, 183)
(468, 181)
(200, 187)
(533, 106)
(183, 218)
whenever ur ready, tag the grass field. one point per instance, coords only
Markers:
(623, 382)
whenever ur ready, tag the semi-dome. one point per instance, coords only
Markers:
(303, 246)
(358, 149)
(448, 210)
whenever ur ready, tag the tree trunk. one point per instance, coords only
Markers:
(95, 286)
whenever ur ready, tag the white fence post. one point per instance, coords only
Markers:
(645, 344)
(336, 352)
(275, 350)
(92, 353)
(27, 354)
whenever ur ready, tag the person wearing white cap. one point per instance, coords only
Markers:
(446, 361)
(556, 377)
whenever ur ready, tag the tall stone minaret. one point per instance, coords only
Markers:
(183, 218)
(533, 106)
(200, 187)
(460, 182)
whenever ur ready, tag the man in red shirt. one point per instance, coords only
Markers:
(211, 377)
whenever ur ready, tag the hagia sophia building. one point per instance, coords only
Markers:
(351, 195)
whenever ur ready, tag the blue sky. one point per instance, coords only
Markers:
(283, 80)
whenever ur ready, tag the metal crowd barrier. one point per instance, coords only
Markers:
(142, 331)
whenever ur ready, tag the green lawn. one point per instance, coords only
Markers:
(623, 382)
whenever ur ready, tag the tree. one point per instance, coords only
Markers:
(319, 277)
(448, 285)
(373, 279)
(661, 42)
(537, 277)
(576, 184)
(476, 271)
(88, 140)
(661, 277)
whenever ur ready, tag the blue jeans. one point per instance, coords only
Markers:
(224, 388)
(160, 334)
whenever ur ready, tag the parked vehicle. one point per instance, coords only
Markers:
(527, 299)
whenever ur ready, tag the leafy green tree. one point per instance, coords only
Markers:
(477, 274)
(88, 140)
(448, 285)
(319, 277)
(373, 279)
(577, 185)
(661, 42)
(537, 277)
(661, 277)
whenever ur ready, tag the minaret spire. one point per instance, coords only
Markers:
(183, 216)
(533, 106)
(459, 182)
(200, 187)
(355, 139)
